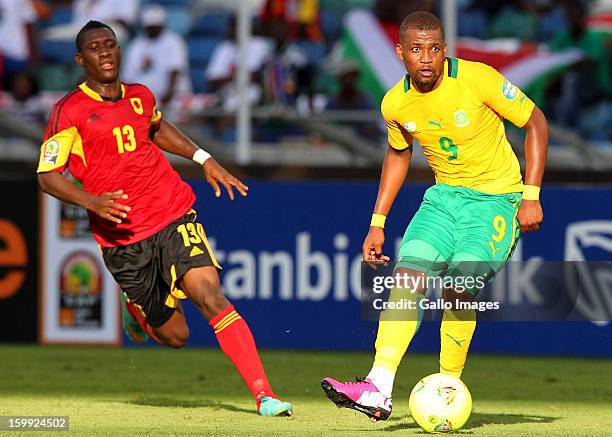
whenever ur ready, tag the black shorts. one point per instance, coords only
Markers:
(149, 272)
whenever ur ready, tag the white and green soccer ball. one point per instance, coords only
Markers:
(440, 403)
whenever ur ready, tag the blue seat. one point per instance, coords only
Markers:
(201, 50)
(57, 51)
(61, 15)
(58, 77)
(178, 19)
(198, 80)
(211, 24)
(331, 24)
(553, 22)
(472, 24)
(314, 51)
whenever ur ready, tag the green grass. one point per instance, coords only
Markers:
(155, 392)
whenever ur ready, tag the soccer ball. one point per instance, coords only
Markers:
(440, 403)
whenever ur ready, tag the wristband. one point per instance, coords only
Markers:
(378, 220)
(531, 192)
(200, 156)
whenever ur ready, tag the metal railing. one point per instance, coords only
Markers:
(343, 147)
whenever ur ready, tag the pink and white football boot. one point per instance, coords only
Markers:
(362, 396)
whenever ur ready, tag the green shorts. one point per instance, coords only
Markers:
(460, 231)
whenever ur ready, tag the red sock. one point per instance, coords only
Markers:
(141, 320)
(237, 343)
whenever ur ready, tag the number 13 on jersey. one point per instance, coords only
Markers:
(126, 141)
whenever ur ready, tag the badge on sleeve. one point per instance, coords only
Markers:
(51, 152)
(508, 90)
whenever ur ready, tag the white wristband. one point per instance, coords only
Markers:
(200, 156)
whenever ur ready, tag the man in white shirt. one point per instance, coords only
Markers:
(122, 12)
(17, 45)
(119, 14)
(158, 59)
(222, 66)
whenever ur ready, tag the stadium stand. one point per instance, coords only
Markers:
(506, 33)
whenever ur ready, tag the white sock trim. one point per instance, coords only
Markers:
(383, 380)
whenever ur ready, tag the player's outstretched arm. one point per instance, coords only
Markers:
(530, 214)
(172, 140)
(394, 171)
(105, 205)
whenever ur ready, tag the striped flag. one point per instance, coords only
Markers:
(526, 65)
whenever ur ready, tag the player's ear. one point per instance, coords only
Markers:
(78, 57)
(399, 51)
(444, 48)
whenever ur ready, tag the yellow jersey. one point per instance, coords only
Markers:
(460, 125)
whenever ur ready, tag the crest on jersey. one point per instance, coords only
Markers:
(461, 118)
(410, 126)
(509, 90)
(51, 152)
(137, 105)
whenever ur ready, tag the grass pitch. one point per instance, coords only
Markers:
(159, 392)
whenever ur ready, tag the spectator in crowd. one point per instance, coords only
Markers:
(221, 70)
(295, 27)
(589, 83)
(390, 13)
(350, 98)
(158, 58)
(17, 40)
(23, 102)
(301, 16)
(486, 6)
(518, 19)
(288, 76)
(119, 14)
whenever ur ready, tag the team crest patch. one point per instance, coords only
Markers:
(51, 152)
(509, 90)
(137, 105)
(410, 126)
(461, 118)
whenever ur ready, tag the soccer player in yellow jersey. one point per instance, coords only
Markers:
(468, 223)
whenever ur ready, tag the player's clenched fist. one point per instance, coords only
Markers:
(105, 206)
(372, 247)
(530, 215)
(215, 175)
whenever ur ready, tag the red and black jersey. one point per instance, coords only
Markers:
(107, 146)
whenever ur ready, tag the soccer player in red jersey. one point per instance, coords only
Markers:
(108, 134)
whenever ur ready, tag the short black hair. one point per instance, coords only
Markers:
(91, 25)
(420, 20)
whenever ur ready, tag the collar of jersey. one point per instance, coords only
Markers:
(94, 95)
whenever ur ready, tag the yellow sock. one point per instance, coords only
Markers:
(396, 329)
(456, 331)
